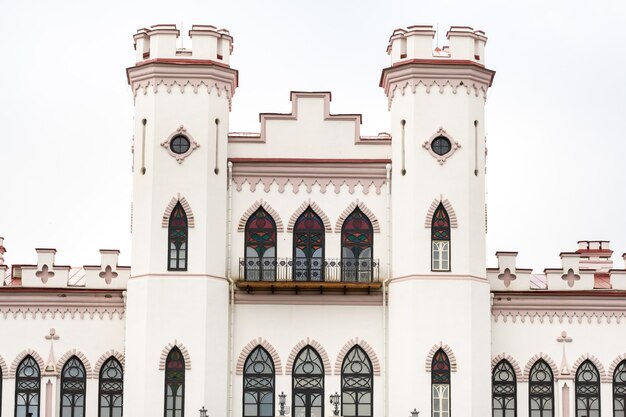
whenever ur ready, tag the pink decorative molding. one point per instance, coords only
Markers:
(105, 357)
(278, 367)
(614, 366)
(558, 317)
(62, 312)
(20, 357)
(365, 346)
(428, 222)
(503, 356)
(3, 368)
(165, 222)
(448, 351)
(253, 208)
(603, 376)
(361, 205)
(79, 355)
(166, 350)
(531, 362)
(316, 209)
(454, 145)
(192, 144)
(315, 345)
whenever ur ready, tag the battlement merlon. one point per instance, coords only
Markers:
(416, 43)
(160, 42)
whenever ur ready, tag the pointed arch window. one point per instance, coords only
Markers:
(440, 240)
(541, 390)
(357, 384)
(440, 384)
(73, 386)
(504, 390)
(258, 384)
(177, 239)
(308, 247)
(587, 390)
(356, 247)
(308, 384)
(27, 387)
(260, 262)
(111, 384)
(619, 390)
(174, 384)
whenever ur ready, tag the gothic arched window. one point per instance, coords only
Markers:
(357, 384)
(308, 384)
(258, 384)
(619, 390)
(541, 390)
(27, 386)
(504, 390)
(174, 383)
(440, 384)
(587, 390)
(356, 247)
(308, 247)
(177, 240)
(440, 240)
(111, 384)
(73, 386)
(260, 262)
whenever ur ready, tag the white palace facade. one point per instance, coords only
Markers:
(273, 270)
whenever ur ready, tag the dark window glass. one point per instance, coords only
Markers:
(258, 384)
(441, 145)
(357, 384)
(356, 248)
(73, 386)
(174, 384)
(440, 240)
(260, 262)
(308, 384)
(308, 247)
(111, 389)
(27, 386)
(619, 390)
(541, 390)
(177, 246)
(587, 390)
(180, 144)
(504, 390)
(440, 384)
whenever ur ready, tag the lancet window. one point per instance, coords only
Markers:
(174, 384)
(587, 390)
(177, 239)
(27, 388)
(357, 384)
(357, 248)
(440, 240)
(308, 384)
(258, 384)
(308, 247)
(111, 384)
(619, 390)
(260, 256)
(504, 390)
(73, 388)
(541, 390)
(440, 384)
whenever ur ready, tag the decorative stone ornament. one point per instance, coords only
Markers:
(441, 146)
(180, 144)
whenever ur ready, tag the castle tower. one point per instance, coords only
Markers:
(178, 293)
(438, 295)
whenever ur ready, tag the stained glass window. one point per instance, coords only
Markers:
(356, 247)
(619, 390)
(541, 390)
(260, 262)
(587, 390)
(308, 247)
(258, 384)
(27, 386)
(308, 384)
(73, 386)
(357, 384)
(440, 383)
(174, 383)
(504, 390)
(177, 247)
(440, 239)
(111, 389)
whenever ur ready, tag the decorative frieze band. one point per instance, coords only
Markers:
(63, 312)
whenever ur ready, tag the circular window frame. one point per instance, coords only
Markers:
(454, 145)
(167, 144)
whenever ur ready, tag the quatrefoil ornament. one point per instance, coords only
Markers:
(108, 274)
(45, 274)
(507, 277)
(570, 277)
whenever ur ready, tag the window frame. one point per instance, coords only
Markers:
(356, 349)
(33, 392)
(550, 383)
(272, 377)
(109, 393)
(440, 379)
(170, 380)
(69, 390)
(308, 259)
(620, 370)
(351, 246)
(262, 272)
(579, 385)
(308, 391)
(171, 239)
(512, 383)
(440, 235)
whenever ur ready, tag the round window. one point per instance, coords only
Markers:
(180, 144)
(441, 145)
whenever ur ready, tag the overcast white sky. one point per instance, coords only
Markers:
(555, 114)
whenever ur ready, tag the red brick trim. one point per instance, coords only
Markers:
(253, 208)
(166, 350)
(278, 367)
(105, 357)
(316, 209)
(448, 351)
(503, 356)
(20, 357)
(315, 345)
(431, 212)
(531, 362)
(367, 348)
(80, 355)
(603, 376)
(165, 222)
(361, 205)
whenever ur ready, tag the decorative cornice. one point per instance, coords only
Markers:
(610, 374)
(596, 362)
(105, 357)
(533, 360)
(62, 312)
(165, 221)
(81, 356)
(166, 350)
(367, 348)
(503, 356)
(315, 345)
(20, 357)
(428, 221)
(253, 208)
(278, 367)
(364, 209)
(447, 350)
(294, 217)
(3, 368)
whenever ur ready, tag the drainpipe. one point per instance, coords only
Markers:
(385, 289)
(231, 290)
